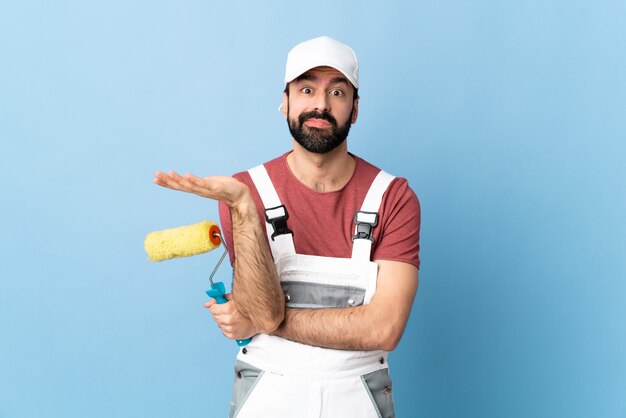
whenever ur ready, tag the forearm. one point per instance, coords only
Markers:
(340, 328)
(378, 325)
(256, 286)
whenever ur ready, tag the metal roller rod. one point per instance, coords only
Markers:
(219, 263)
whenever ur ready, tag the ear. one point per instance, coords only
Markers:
(355, 110)
(284, 108)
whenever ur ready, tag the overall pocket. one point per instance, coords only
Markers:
(300, 294)
(246, 378)
(378, 386)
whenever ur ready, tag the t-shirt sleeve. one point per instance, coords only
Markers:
(400, 232)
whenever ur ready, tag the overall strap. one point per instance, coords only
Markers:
(279, 235)
(366, 219)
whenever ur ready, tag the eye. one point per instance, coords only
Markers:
(336, 93)
(306, 90)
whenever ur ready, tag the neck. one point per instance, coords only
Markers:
(322, 172)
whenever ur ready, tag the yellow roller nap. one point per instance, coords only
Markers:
(183, 241)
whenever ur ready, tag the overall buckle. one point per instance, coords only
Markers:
(278, 216)
(365, 223)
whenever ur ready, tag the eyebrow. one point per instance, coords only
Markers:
(305, 77)
(311, 77)
(338, 80)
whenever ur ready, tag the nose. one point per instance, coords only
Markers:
(321, 102)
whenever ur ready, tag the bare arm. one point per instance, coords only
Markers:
(378, 325)
(256, 286)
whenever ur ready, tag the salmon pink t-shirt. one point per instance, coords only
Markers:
(323, 222)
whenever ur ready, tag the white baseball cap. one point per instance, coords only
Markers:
(322, 52)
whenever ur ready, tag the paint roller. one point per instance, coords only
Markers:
(183, 241)
(186, 241)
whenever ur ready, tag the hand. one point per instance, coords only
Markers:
(225, 189)
(233, 323)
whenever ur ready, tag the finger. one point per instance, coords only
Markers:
(180, 180)
(215, 185)
(221, 308)
(173, 180)
(160, 178)
(165, 180)
(203, 189)
(192, 178)
(210, 183)
(212, 309)
(219, 320)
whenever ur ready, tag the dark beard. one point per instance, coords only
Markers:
(318, 140)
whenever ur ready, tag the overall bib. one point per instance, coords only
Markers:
(276, 377)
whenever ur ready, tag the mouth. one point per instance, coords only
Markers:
(317, 123)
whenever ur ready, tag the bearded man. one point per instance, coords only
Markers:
(325, 254)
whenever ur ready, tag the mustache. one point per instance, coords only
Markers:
(317, 115)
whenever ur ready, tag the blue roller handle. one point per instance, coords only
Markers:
(217, 292)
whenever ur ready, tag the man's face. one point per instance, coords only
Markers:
(320, 108)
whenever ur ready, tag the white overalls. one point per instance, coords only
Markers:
(275, 377)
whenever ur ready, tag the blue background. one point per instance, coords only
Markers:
(508, 118)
